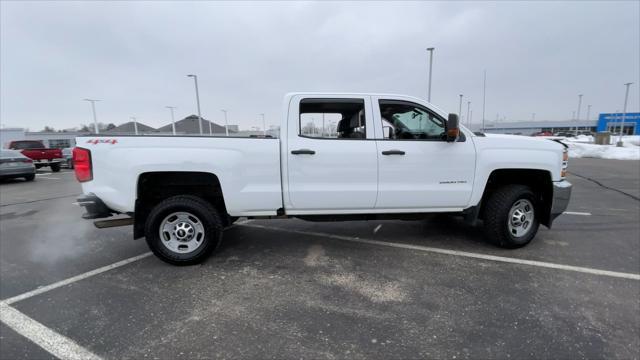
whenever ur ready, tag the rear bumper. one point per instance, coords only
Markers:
(95, 208)
(47, 162)
(561, 197)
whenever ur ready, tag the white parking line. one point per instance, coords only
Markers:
(504, 259)
(56, 344)
(43, 174)
(577, 213)
(49, 178)
(76, 278)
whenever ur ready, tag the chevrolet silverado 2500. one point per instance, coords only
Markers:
(338, 157)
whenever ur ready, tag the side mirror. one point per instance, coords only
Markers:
(453, 131)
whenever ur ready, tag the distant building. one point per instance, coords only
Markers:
(189, 125)
(233, 128)
(531, 127)
(8, 135)
(129, 128)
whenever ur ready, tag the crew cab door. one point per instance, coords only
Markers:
(332, 164)
(418, 170)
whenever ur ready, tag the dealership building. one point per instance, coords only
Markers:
(54, 139)
(606, 122)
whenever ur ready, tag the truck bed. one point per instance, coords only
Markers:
(248, 168)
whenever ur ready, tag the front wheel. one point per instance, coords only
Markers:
(510, 219)
(55, 167)
(183, 230)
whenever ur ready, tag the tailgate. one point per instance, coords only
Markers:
(42, 154)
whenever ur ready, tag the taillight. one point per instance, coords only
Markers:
(82, 164)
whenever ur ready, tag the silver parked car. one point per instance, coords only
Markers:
(14, 165)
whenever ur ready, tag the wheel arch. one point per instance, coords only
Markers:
(540, 182)
(153, 187)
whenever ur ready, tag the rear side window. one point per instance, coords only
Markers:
(21, 145)
(333, 118)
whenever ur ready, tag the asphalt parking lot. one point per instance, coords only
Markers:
(294, 289)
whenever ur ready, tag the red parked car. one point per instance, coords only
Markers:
(36, 151)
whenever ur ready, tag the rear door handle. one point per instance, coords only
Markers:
(393, 152)
(303, 152)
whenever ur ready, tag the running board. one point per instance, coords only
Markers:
(101, 224)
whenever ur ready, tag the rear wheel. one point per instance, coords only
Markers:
(55, 167)
(510, 219)
(183, 230)
(30, 177)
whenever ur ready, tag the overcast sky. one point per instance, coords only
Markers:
(134, 56)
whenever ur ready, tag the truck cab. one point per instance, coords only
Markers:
(374, 154)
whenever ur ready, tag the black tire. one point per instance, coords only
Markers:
(30, 177)
(496, 216)
(204, 212)
(55, 167)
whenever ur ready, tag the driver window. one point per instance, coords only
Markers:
(403, 120)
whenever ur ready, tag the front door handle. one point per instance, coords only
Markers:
(303, 152)
(393, 152)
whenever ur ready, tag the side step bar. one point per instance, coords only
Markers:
(102, 224)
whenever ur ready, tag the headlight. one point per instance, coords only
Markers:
(565, 163)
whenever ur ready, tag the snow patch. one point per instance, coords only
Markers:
(583, 146)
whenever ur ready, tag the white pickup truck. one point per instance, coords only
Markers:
(338, 157)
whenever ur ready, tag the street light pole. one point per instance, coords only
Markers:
(430, 50)
(264, 124)
(226, 124)
(624, 113)
(460, 107)
(579, 106)
(588, 111)
(484, 97)
(173, 120)
(95, 119)
(468, 110)
(195, 78)
(135, 125)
